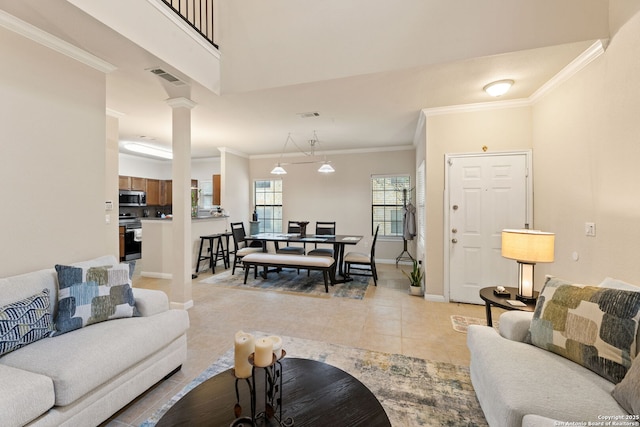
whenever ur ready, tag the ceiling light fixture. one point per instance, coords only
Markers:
(498, 88)
(325, 168)
(148, 150)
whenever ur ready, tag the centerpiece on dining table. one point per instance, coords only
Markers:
(303, 227)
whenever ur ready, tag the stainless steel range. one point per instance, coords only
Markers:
(132, 237)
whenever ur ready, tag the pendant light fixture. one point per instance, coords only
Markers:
(324, 168)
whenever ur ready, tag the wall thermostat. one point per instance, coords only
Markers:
(108, 205)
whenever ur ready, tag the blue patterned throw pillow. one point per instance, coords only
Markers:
(24, 322)
(92, 295)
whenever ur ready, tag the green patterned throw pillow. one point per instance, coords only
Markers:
(24, 322)
(592, 326)
(91, 295)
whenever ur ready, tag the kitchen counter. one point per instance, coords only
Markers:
(157, 242)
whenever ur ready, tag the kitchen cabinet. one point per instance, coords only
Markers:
(216, 190)
(166, 192)
(153, 192)
(132, 183)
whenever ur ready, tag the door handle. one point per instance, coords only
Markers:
(454, 240)
(454, 230)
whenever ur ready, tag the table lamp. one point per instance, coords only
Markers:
(527, 247)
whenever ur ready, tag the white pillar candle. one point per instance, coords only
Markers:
(264, 353)
(277, 346)
(244, 346)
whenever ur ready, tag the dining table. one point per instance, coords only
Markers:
(339, 242)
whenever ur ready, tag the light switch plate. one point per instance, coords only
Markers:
(590, 229)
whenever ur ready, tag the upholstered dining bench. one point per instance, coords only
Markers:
(263, 259)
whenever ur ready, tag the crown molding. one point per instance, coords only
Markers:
(584, 59)
(181, 102)
(43, 38)
(234, 152)
(335, 152)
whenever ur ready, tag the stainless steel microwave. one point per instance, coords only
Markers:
(133, 198)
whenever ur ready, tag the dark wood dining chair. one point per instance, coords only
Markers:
(241, 245)
(363, 264)
(292, 228)
(324, 228)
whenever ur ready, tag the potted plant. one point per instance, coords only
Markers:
(415, 278)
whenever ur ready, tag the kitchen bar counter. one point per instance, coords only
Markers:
(157, 242)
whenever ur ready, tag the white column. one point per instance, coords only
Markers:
(180, 295)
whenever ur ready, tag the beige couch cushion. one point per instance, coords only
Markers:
(79, 362)
(25, 396)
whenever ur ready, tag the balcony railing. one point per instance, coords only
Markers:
(198, 14)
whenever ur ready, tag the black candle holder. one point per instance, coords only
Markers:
(271, 414)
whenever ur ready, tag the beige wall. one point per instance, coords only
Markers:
(587, 138)
(498, 130)
(343, 196)
(235, 187)
(52, 158)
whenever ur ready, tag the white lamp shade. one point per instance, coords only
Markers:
(326, 168)
(530, 246)
(278, 170)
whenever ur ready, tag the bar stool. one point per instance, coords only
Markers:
(220, 253)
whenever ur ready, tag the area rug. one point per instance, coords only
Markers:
(290, 281)
(412, 391)
(461, 323)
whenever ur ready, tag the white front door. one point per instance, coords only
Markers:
(486, 193)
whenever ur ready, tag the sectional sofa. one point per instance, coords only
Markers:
(85, 345)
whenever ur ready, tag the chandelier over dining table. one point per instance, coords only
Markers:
(325, 165)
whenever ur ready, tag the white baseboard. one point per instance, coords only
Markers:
(155, 275)
(435, 298)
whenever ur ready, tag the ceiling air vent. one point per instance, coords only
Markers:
(168, 77)
(309, 114)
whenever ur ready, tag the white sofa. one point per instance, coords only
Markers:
(82, 377)
(520, 384)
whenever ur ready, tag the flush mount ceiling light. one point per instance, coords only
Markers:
(499, 87)
(148, 150)
(325, 168)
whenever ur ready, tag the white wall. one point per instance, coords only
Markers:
(587, 136)
(343, 196)
(52, 158)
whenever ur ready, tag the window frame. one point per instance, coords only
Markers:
(389, 194)
(267, 224)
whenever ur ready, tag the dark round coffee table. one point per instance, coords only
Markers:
(491, 298)
(313, 394)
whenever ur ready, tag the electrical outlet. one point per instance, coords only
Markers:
(590, 229)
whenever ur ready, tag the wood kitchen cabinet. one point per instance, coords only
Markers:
(215, 179)
(166, 192)
(153, 192)
(132, 183)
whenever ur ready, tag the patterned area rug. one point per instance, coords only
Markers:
(460, 323)
(289, 281)
(412, 391)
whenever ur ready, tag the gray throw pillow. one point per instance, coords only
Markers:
(627, 391)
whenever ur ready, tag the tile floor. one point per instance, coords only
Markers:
(388, 319)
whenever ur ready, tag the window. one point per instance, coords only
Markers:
(387, 203)
(267, 195)
(205, 201)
